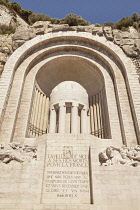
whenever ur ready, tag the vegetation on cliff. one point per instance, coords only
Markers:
(4, 29)
(70, 19)
(14, 7)
(124, 23)
(30, 17)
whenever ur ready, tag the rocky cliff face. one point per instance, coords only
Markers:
(5, 49)
(7, 17)
(129, 41)
(10, 19)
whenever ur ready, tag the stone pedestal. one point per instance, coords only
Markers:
(66, 175)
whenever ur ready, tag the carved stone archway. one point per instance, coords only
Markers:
(20, 71)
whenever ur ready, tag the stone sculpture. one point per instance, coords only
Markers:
(124, 155)
(17, 152)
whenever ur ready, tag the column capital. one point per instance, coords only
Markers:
(85, 108)
(52, 108)
(61, 104)
(75, 104)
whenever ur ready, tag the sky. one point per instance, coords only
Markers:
(94, 11)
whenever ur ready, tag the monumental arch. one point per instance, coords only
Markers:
(65, 98)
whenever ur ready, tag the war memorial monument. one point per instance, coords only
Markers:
(70, 118)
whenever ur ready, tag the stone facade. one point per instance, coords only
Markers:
(69, 100)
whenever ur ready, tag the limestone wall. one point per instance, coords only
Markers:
(115, 186)
(23, 185)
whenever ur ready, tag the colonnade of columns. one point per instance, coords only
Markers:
(78, 120)
(73, 120)
(39, 114)
(99, 120)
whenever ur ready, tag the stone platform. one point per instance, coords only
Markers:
(67, 175)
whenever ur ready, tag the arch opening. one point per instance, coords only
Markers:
(82, 76)
(105, 56)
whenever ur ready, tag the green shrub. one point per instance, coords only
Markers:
(21, 12)
(135, 17)
(97, 25)
(74, 20)
(38, 17)
(4, 2)
(124, 23)
(4, 29)
(15, 6)
(55, 21)
(25, 14)
(109, 24)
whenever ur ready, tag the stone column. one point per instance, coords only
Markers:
(52, 121)
(62, 119)
(74, 119)
(95, 117)
(39, 112)
(36, 112)
(45, 122)
(84, 121)
(88, 124)
(33, 115)
(100, 110)
(42, 112)
(103, 111)
(98, 115)
(91, 115)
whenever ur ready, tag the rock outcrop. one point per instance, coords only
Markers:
(22, 35)
(129, 41)
(6, 49)
(10, 19)
(7, 17)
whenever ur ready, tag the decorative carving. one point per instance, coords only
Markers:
(17, 153)
(136, 62)
(124, 155)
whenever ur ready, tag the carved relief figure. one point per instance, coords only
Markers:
(124, 155)
(18, 153)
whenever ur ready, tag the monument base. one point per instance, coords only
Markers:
(67, 175)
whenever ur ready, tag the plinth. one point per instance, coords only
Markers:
(66, 174)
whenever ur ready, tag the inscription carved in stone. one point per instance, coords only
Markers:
(67, 175)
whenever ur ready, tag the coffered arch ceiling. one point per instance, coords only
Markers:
(70, 68)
